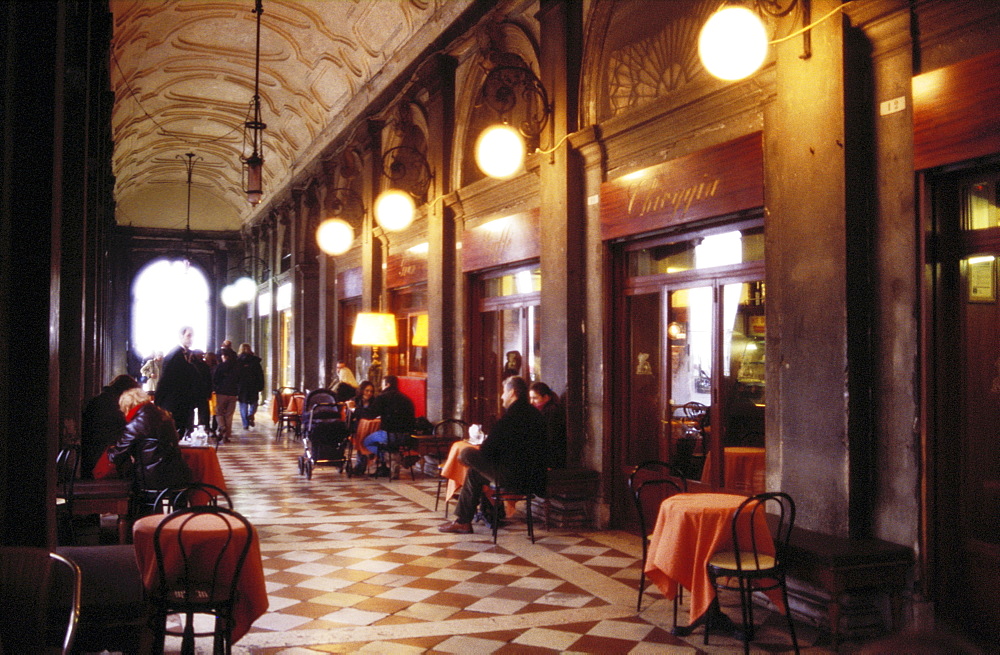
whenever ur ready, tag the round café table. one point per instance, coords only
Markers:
(690, 528)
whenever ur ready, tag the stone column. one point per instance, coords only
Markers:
(563, 221)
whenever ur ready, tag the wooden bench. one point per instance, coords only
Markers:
(842, 566)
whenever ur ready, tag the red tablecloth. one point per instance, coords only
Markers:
(743, 471)
(689, 530)
(204, 465)
(203, 536)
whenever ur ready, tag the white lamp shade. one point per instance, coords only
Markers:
(394, 210)
(500, 151)
(733, 43)
(245, 288)
(334, 236)
(374, 329)
(230, 296)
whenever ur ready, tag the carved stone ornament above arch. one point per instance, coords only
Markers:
(639, 52)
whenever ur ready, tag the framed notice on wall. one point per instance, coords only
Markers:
(982, 279)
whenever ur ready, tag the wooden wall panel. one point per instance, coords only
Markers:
(956, 112)
(720, 180)
(506, 240)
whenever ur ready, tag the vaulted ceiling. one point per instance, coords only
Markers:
(183, 77)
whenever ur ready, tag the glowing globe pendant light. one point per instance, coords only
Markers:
(733, 43)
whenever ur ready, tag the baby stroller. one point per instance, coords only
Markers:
(324, 433)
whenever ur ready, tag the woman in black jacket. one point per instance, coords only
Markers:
(148, 451)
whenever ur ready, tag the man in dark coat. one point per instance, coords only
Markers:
(513, 456)
(180, 383)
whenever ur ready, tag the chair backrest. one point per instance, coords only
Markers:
(196, 493)
(67, 463)
(751, 519)
(692, 416)
(455, 427)
(39, 590)
(651, 482)
(197, 572)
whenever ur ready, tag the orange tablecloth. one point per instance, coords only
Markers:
(365, 427)
(203, 535)
(453, 469)
(689, 530)
(204, 465)
(743, 471)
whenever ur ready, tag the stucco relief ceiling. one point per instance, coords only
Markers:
(182, 72)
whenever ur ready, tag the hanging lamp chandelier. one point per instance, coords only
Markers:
(254, 163)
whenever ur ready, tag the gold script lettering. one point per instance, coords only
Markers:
(655, 195)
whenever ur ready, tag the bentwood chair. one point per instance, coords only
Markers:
(40, 596)
(749, 566)
(196, 493)
(651, 482)
(286, 416)
(204, 578)
(78, 498)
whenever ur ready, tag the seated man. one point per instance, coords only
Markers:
(513, 454)
(398, 415)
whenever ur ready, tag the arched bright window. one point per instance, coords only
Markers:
(166, 296)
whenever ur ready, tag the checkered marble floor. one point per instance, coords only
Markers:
(357, 565)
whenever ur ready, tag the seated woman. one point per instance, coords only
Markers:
(361, 404)
(148, 451)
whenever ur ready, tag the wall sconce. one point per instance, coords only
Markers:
(500, 149)
(410, 175)
(375, 329)
(244, 289)
(733, 42)
(254, 163)
(335, 235)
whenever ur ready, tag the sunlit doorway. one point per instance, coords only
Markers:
(166, 296)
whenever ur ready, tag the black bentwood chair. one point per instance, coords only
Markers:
(40, 596)
(749, 568)
(651, 482)
(205, 580)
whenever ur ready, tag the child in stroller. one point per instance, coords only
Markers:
(325, 433)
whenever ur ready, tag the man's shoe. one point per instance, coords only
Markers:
(456, 528)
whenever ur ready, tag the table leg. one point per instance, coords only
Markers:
(721, 623)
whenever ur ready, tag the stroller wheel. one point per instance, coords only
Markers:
(302, 464)
(309, 469)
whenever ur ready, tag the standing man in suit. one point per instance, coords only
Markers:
(180, 383)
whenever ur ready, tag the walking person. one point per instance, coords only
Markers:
(251, 383)
(226, 384)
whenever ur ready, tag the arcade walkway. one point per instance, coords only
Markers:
(357, 565)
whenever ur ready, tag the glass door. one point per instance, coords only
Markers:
(694, 383)
(507, 334)
(965, 388)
